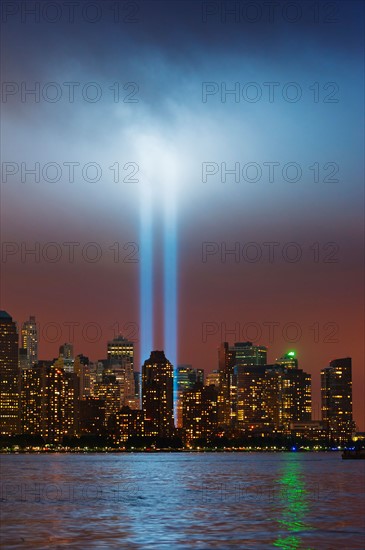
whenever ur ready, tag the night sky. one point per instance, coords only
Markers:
(158, 57)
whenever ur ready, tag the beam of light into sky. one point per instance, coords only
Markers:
(170, 264)
(159, 187)
(146, 273)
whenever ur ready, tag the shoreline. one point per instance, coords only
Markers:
(153, 451)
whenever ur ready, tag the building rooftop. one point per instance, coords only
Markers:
(5, 315)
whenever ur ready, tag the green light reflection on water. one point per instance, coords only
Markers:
(293, 497)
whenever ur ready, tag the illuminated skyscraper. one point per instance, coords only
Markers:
(200, 412)
(226, 357)
(288, 360)
(109, 390)
(120, 364)
(186, 378)
(121, 347)
(49, 401)
(336, 393)
(248, 406)
(274, 395)
(249, 355)
(29, 335)
(9, 375)
(246, 381)
(32, 400)
(126, 423)
(157, 395)
(287, 395)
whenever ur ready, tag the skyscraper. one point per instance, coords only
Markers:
(200, 417)
(226, 357)
(288, 360)
(246, 383)
(186, 378)
(120, 365)
(287, 395)
(249, 355)
(121, 347)
(157, 395)
(29, 335)
(248, 405)
(49, 401)
(9, 375)
(336, 394)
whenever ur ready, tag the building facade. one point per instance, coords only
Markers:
(200, 412)
(29, 337)
(157, 395)
(336, 397)
(9, 376)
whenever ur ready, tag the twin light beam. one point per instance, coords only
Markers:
(158, 199)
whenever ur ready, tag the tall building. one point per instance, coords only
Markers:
(246, 383)
(226, 358)
(126, 423)
(122, 370)
(82, 370)
(121, 347)
(287, 396)
(29, 334)
(49, 401)
(32, 399)
(200, 412)
(109, 391)
(186, 378)
(157, 395)
(9, 376)
(120, 364)
(66, 351)
(288, 360)
(336, 394)
(249, 355)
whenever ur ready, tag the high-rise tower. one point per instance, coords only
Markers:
(336, 393)
(9, 375)
(157, 395)
(29, 335)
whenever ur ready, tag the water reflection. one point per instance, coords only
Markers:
(182, 501)
(293, 498)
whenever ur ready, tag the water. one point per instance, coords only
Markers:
(182, 500)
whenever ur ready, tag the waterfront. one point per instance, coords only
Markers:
(182, 500)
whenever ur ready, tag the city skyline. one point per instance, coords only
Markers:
(250, 390)
(60, 330)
